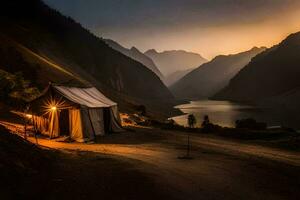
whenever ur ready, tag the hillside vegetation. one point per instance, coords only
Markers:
(56, 48)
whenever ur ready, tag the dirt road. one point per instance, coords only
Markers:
(220, 169)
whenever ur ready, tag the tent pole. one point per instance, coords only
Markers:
(52, 126)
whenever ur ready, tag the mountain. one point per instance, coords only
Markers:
(175, 76)
(135, 54)
(211, 77)
(272, 76)
(46, 46)
(169, 62)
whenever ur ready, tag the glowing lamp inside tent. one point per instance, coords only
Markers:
(51, 105)
(29, 116)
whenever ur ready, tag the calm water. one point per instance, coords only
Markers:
(225, 113)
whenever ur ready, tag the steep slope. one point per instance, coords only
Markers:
(65, 52)
(40, 70)
(135, 54)
(169, 62)
(272, 76)
(175, 76)
(211, 77)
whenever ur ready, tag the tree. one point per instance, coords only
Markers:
(191, 121)
(205, 122)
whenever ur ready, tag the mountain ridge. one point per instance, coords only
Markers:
(212, 76)
(135, 54)
(252, 84)
(171, 61)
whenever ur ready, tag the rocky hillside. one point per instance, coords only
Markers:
(51, 47)
(212, 76)
(272, 76)
(169, 62)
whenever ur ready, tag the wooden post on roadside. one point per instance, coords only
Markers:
(188, 145)
(35, 130)
(25, 128)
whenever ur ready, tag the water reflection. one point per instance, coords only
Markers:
(225, 113)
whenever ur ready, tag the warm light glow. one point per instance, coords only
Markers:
(212, 33)
(29, 116)
(51, 105)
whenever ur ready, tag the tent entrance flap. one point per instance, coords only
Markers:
(107, 121)
(76, 129)
(64, 124)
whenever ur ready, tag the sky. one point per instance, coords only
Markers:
(207, 27)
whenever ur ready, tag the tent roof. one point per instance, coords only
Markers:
(90, 97)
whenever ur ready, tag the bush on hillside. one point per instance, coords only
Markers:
(14, 88)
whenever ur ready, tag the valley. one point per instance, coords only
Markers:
(149, 100)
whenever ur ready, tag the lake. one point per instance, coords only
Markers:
(225, 113)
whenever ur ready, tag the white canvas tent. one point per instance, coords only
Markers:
(81, 113)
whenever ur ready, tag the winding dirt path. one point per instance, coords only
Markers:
(220, 169)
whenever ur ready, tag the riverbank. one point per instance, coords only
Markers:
(225, 113)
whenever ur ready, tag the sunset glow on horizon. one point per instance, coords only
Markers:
(209, 28)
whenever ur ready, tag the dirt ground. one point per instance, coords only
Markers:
(30, 172)
(220, 169)
(142, 163)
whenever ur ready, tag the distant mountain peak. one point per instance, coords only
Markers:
(212, 76)
(151, 51)
(180, 51)
(269, 76)
(135, 54)
(134, 49)
(293, 39)
(254, 48)
(171, 61)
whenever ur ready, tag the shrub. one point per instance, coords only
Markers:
(251, 124)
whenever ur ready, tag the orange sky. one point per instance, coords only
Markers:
(226, 39)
